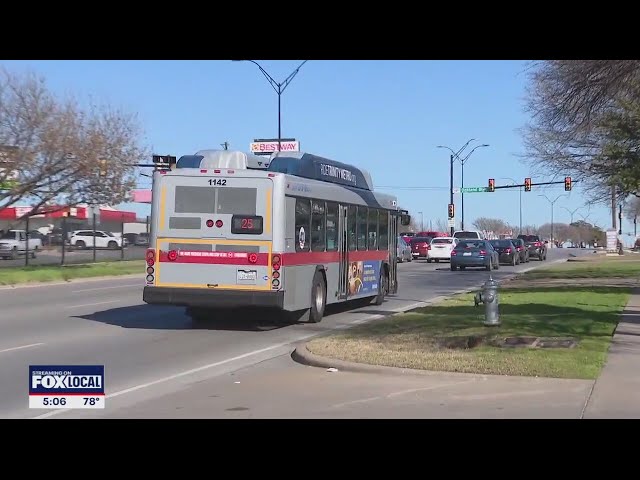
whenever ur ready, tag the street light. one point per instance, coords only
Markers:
(453, 156)
(572, 212)
(552, 203)
(462, 162)
(520, 192)
(278, 87)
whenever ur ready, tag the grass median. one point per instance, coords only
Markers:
(450, 336)
(50, 273)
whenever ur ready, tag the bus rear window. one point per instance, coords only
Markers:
(221, 200)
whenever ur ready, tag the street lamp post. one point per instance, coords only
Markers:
(520, 193)
(552, 203)
(279, 88)
(462, 162)
(572, 213)
(451, 159)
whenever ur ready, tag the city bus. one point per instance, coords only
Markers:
(292, 232)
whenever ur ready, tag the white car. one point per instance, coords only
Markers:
(468, 235)
(441, 248)
(85, 239)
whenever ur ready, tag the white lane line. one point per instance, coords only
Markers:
(92, 304)
(107, 288)
(21, 347)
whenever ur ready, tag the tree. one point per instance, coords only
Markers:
(584, 123)
(633, 208)
(490, 224)
(58, 153)
(442, 225)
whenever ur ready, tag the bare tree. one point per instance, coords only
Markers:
(57, 152)
(633, 208)
(442, 225)
(490, 224)
(584, 118)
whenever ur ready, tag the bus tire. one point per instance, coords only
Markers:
(318, 298)
(383, 287)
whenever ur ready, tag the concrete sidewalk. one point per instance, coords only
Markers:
(616, 392)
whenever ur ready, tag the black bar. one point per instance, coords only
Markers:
(64, 237)
(26, 246)
(94, 237)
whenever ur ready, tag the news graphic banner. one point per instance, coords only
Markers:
(66, 386)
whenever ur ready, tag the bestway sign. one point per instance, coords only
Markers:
(271, 146)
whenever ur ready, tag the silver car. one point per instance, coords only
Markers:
(404, 251)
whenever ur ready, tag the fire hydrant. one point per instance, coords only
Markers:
(489, 296)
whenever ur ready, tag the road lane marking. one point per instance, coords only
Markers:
(107, 288)
(369, 318)
(93, 304)
(21, 347)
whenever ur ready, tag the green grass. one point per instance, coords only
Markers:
(608, 267)
(49, 273)
(587, 313)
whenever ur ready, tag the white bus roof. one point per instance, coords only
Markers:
(223, 159)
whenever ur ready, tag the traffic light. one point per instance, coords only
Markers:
(567, 184)
(492, 185)
(452, 210)
(527, 184)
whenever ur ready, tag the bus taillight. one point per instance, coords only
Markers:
(275, 274)
(253, 257)
(151, 257)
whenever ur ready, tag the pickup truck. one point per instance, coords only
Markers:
(14, 243)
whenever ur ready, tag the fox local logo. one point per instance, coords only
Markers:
(64, 380)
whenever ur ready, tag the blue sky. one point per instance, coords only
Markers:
(385, 116)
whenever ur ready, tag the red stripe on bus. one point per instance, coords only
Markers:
(316, 258)
(215, 258)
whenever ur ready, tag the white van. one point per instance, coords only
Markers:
(471, 234)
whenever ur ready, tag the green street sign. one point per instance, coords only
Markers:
(474, 189)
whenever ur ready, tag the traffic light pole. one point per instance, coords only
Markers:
(451, 189)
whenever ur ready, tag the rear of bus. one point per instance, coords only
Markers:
(211, 242)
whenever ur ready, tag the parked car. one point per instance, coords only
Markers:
(441, 248)
(85, 239)
(507, 251)
(474, 253)
(537, 248)
(523, 251)
(403, 251)
(142, 240)
(14, 243)
(420, 247)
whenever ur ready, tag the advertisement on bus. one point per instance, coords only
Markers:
(363, 277)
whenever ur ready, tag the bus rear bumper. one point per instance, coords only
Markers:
(197, 297)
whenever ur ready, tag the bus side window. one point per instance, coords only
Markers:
(332, 227)
(373, 229)
(351, 226)
(362, 228)
(318, 241)
(303, 224)
(383, 225)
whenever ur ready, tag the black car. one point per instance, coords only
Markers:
(522, 249)
(536, 247)
(507, 252)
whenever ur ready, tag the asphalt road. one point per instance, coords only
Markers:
(150, 352)
(54, 256)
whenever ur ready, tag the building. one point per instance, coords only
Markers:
(80, 217)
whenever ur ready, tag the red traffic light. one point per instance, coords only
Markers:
(567, 184)
(451, 210)
(527, 184)
(492, 185)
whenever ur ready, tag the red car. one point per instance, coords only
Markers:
(420, 247)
